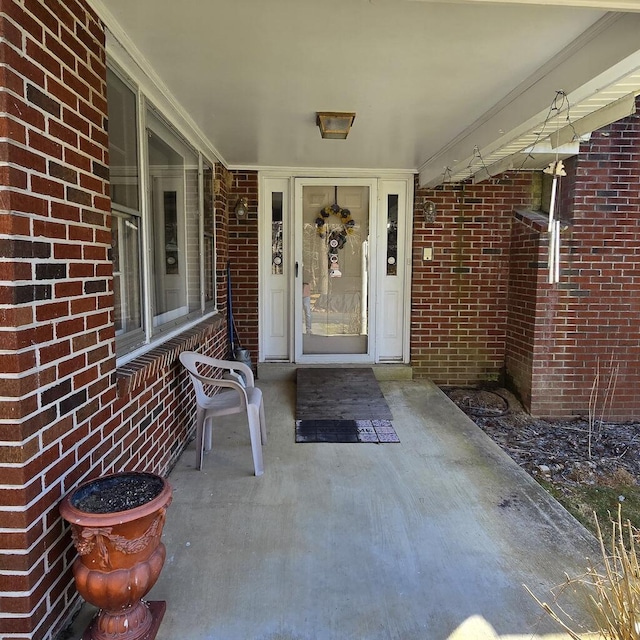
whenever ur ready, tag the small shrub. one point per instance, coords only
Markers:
(619, 478)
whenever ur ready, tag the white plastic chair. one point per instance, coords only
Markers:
(231, 397)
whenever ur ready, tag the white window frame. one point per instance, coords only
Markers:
(137, 342)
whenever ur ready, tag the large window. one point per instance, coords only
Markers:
(171, 223)
(125, 202)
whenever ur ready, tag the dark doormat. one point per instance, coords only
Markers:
(377, 431)
(341, 405)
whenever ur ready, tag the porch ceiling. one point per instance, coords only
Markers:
(442, 88)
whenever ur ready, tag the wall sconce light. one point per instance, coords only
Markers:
(334, 125)
(242, 209)
(429, 209)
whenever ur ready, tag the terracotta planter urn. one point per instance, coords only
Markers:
(116, 524)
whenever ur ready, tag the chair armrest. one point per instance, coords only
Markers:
(220, 383)
(245, 370)
(232, 365)
(191, 359)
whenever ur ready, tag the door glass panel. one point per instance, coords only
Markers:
(392, 235)
(335, 269)
(277, 257)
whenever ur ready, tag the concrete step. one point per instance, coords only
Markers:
(287, 370)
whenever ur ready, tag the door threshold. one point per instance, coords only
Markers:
(287, 370)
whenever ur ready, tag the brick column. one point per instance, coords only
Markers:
(56, 330)
(243, 254)
(587, 325)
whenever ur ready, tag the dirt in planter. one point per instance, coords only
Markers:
(117, 493)
(586, 467)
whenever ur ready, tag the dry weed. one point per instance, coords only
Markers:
(611, 589)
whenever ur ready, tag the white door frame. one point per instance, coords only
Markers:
(274, 306)
(370, 355)
(378, 188)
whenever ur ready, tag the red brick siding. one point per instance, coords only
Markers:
(550, 339)
(566, 190)
(594, 313)
(56, 330)
(66, 413)
(243, 255)
(522, 305)
(459, 299)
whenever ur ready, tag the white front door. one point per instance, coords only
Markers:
(334, 270)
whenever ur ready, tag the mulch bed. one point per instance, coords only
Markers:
(564, 451)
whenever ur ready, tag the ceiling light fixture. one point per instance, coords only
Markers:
(334, 125)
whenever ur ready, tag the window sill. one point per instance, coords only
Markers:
(133, 373)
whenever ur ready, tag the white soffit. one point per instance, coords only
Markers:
(624, 6)
(593, 120)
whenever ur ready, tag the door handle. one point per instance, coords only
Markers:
(296, 269)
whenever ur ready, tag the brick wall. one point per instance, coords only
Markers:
(459, 299)
(527, 262)
(243, 255)
(56, 315)
(66, 413)
(589, 322)
(484, 305)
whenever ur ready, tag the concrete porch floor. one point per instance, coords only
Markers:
(428, 539)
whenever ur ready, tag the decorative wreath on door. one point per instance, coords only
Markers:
(337, 237)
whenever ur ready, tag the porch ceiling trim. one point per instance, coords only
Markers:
(517, 120)
(606, 5)
(562, 143)
(625, 106)
(536, 157)
(530, 154)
